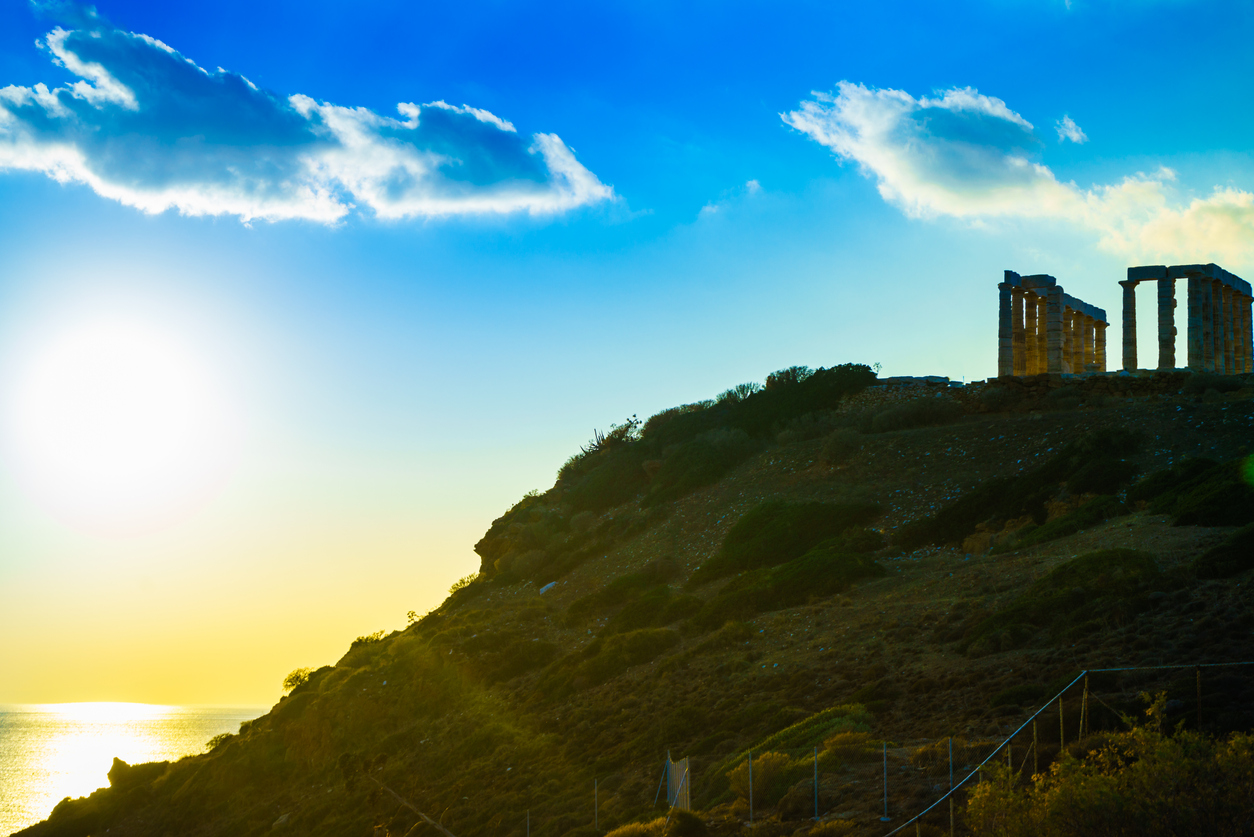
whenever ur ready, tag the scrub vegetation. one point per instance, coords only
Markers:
(805, 568)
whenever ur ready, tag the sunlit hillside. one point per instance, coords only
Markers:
(831, 574)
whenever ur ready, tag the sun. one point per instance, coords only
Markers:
(117, 424)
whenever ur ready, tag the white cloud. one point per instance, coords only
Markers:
(966, 155)
(147, 127)
(1068, 130)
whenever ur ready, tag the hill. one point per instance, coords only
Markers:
(826, 564)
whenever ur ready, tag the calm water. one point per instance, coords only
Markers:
(51, 751)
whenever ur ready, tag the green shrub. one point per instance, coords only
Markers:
(839, 446)
(1095, 511)
(1017, 695)
(1160, 482)
(1216, 496)
(611, 656)
(777, 531)
(1004, 498)
(297, 677)
(921, 412)
(1140, 782)
(698, 463)
(1232, 557)
(1106, 587)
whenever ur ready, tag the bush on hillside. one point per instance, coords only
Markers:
(921, 412)
(1232, 557)
(839, 446)
(777, 531)
(1218, 496)
(1084, 594)
(1140, 782)
(698, 463)
(1094, 460)
(1095, 511)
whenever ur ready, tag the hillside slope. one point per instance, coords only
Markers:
(770, 571)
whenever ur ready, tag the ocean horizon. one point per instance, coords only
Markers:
(53, 750)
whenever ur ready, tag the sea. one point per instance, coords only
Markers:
(54, 750)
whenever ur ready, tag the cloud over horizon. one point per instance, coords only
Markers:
(969, 156)
(149, 128)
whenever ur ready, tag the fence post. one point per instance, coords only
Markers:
(1199, 698)
(528, 822)
(1062, 732)
(816, 783)
(1036, 751)
(596, 807)
(951, 786)
(1084, 709)
(885, 818)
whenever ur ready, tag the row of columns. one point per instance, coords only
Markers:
(1219, 321)
(1042, 329)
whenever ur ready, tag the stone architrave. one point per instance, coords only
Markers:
(1099, 347)
(1005, 328)
(1129, 325)
(1019, 343)
(1053, 329)
(1029, 333)
(1166, 324)
(1230, 366)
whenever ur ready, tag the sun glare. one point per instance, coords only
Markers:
(118, 425)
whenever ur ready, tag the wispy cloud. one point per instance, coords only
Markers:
(1068, 130)
(146, 126)
(967, 155)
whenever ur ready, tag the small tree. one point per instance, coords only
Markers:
(297, 677)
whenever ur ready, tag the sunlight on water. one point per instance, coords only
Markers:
(51, 751)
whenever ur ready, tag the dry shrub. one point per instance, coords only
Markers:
(851, 747)
(639, 829)
(839, 446)
(831, 828)
(770, 770)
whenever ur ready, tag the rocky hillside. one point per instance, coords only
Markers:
(823, 565)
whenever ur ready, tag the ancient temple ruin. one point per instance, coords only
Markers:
(1218, 311)
(1042, 329)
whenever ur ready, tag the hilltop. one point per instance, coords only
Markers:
(828, 563)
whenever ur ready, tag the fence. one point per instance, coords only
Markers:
(1043, 737)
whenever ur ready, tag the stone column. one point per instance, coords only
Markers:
(1217, 324)
(1247, 334)
(1019, 344)
(1239, 349)
(1166, 324)
(1197, 357)
(1208, 325)
(1099, 347)
(1068, 338)
(1129, 325)
(1230, 367)
(1029, 333)
(1042, 337)
(1053, 330)
(1005, 332)
(1077, 342)
(1089, 355)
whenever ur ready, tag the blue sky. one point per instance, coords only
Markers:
(415, 314)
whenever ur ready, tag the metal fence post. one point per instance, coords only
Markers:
(951, 786)
(1062, 732)
(885, 818)
(816, 783)
(1199, 698)
(1036, 751)
(596, 807)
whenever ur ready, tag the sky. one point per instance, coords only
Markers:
(296, 298)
